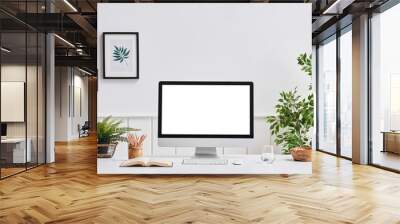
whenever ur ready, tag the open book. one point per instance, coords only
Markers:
(146, 162)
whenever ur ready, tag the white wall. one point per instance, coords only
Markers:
(33, 127)
(227, 42)
(80, 84)
(67, 117)
(18, 73)
(12, 73)
(61, 103)
(148, 126)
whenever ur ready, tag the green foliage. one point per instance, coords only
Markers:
(109, 130)
(294, 114)
(120, 54)
(304, 60)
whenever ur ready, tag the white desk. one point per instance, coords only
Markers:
(19, 149)
(252, 164)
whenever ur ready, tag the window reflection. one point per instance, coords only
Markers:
(327, 96)
(385, 87)
(346, 93)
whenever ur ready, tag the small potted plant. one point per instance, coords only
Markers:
(109, 130)
(294, 119)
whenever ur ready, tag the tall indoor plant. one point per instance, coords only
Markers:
(294, 117)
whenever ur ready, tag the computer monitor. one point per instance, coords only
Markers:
(205, 115)
(3, 130)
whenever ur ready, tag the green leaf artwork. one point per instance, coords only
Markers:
(121, 54)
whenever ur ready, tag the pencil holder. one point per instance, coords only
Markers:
(134, 152)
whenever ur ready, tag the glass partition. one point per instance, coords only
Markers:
(13, 94)
(22, 77)
(327, 96)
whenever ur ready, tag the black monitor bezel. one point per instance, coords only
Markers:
(162, 83)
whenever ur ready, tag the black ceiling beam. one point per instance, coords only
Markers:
(86, 26)
(384, 5)
(81, 61)
(92, 71)
(8, 15)
(86, 51)
(332, 29)
(91, 5)
(200, 1)
(8, 24)
(49, 22)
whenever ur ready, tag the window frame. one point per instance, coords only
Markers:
(381, 9)
(334, 37)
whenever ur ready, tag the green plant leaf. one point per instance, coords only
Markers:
(294, 114)
(120, 54)
(109, 129)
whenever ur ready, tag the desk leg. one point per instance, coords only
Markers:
(384, 143)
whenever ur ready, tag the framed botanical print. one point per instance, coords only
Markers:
(121, 55)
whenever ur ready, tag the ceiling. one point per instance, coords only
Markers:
(75, 21)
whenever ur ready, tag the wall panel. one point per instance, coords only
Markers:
(148, 126)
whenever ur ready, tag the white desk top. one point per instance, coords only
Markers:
(252, 164)
(13, 140)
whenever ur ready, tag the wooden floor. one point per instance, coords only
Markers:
(386, 159)
(5, 172)
(70, 191)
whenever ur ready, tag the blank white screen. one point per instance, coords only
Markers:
(206, 109)
(12, 101)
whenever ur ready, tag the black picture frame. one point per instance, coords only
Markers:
(134, 76)
(162, 83)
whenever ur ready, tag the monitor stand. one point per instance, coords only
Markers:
(205, 156)
(205, 152)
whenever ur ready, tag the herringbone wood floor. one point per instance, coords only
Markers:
(70, 191)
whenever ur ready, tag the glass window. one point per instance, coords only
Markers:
(346, 93)
(385, 89)
(327, 96)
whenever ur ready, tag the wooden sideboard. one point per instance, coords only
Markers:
(391, 141)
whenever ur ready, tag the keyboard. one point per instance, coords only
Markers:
(205, 162)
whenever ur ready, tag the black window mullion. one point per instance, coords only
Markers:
(37, 90)
(317, 97)
(44, 72)
(0, 97)
(26, 86)
(369, 90)
(338, 92)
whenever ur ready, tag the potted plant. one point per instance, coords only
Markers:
(294, 118)
(109, 130)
